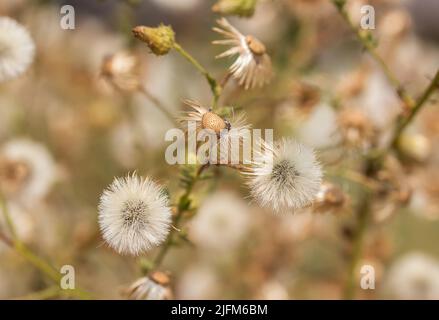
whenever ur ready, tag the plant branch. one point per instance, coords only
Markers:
(366, 40)
(183, 204)
(214, 86)
(19, 247)
(434, 85)
(158, 104)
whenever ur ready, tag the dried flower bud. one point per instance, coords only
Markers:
(329, 198)
(415, 146)
(148, 288)
(160, 39)
(122, 71)
(356, 128)
(160, 278)
(242, 8)
(13, 175)
(305, 95)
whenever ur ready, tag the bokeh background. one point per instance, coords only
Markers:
(236, 250)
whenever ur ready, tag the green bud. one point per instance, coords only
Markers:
(242, 8)
(160, 40)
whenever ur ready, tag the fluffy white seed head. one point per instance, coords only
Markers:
(134, 215)
(17, 49)
(285, 177)
(413, 276)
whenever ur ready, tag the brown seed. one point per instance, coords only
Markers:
(160, 278)
(256, 46)
(213, 122)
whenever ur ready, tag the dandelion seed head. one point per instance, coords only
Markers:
(149, 288)
(122, 71)
(413, 276)
(27, 170)
(17, 49)
(134, 215)
(221, 222)
(252, 68)
(285, 177)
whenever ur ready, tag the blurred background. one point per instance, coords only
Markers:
(81, 133)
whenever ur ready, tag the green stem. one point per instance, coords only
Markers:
(418, 106)
(31, 257)
(363, 37)
(158, 104)
(362, 215)
(7, 216)
(182, 207)
(214, 86)
(48, 293)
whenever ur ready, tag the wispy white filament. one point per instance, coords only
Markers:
(134, 215)
(285, 177)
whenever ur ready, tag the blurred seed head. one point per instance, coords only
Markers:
(306, 96)
(242, 8)
(356, 129)
(17, 49)
(218, 213)
(413, 276)
(122, 70)
(153, 287)
(27, 169)
(330, 198)
(13, 174)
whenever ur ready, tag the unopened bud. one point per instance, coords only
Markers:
(415, 146)
(160, 39)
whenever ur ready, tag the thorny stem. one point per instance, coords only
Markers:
(214, 86)
(364, 37)
(181, 209)
(31, 257)
(434, 85)
(158, 104)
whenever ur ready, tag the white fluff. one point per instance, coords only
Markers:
(221, 222)
(414, 276)
(134, 215)
(41, 166)
(17, 49)
(285, 177)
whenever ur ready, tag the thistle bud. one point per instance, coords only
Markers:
(242, 8)
(160, 39)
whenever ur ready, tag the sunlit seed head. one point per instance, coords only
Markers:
(134, 215)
